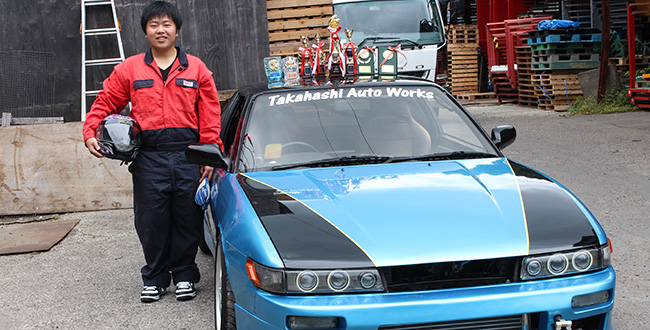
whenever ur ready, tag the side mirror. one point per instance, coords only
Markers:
(426, 26)
(503, 136)
(206, 154)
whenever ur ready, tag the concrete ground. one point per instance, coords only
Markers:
(91, 279)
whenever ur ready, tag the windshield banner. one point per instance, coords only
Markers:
(308, 96)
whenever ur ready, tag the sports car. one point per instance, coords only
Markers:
(385, 205)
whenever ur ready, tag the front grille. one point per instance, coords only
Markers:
(515, 322)
(419, 74)
(449, 275)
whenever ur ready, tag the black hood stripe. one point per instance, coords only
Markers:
(554, 220)
(302, 236)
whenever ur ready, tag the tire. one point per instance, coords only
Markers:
(224, 299)
(203, 246)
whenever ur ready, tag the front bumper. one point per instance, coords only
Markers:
(545, 299)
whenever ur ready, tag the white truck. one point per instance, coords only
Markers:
(416, 25)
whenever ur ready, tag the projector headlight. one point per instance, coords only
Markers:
(564, 263)
(305, 281)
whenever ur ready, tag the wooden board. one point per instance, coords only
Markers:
(47, 169)
(291, 19)
(34, 236)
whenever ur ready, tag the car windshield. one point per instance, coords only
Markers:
(353, 125)
(372, 21)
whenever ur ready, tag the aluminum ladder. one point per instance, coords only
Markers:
(85, 63)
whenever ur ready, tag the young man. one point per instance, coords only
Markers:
(174, 99)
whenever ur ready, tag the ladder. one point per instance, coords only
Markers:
(85, 63)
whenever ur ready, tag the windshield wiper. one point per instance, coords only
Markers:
(410, 42)
(348, 160)
(445, 156)
(363, 42)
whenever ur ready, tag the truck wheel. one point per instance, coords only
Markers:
(224, 299)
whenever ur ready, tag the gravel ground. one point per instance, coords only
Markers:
(91, 279)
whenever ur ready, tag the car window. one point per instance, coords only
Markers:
(231, 119)
(460, 134)
(301, 126)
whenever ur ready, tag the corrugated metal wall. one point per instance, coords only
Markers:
(230, 36)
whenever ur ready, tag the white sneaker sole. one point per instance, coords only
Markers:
(185, 296)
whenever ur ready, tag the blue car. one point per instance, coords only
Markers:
(385, 205)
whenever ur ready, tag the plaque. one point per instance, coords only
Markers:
(290, 68)
(273, 69)
(366, 62)
(388, 61)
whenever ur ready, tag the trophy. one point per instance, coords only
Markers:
(273, 69)
(336, 66)
(335, 44)
(290, 68)
(349, 52)
(319, 57)
(306, 60)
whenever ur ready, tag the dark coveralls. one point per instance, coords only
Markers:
(182, 110)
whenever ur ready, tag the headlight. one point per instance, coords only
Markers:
(314, 281)
(564, 263)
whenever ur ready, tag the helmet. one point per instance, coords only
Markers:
(119, 137)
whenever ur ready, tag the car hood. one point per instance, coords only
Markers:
(413, 213)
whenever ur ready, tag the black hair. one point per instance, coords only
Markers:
(159, 9)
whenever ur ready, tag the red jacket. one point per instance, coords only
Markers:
(183, 109)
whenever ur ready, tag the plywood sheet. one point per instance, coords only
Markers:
(34, 236)
(47, 169)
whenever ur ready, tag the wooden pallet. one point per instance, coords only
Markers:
(475, 96)
(523, 58)
(560, 89)
(289, 19)
(463, 67)
(462, 34)
(626, 61)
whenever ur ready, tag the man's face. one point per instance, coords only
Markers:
(161, 33)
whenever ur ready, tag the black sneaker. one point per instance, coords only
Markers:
(151, 293)
(185, 291)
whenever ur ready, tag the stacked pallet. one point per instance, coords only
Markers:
(558, 56)
(289, 19)
(463, 68)
(523, 56)
(463, 59)
(623, 63)
(557, 90)
(565, 50)
(462, 34)
(503, 86)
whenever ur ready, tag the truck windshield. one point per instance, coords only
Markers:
(413, 20)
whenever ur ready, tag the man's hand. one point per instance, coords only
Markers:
(206, 172)
(93, 147)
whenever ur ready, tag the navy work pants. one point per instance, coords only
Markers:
(167, 220)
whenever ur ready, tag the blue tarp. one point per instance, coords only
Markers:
(557, 24)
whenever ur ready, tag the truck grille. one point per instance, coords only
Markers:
(515, 322)
(419, 74)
